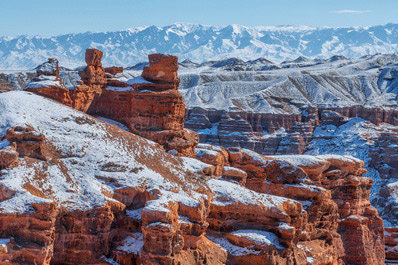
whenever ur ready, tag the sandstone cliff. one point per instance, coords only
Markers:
(76, 190)
(102, 195)
(150, 105)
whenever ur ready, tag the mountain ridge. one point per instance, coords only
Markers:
(200, 43)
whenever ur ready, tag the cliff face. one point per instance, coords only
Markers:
(102, 195)
(76, 190)
(150, 105)
(367, 133)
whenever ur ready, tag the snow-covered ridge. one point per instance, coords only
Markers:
(200, 43)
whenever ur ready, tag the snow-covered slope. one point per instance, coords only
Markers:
(290, 86)
(200, 43)
(91, 160)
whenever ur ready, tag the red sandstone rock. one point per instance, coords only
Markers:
(93, 57)
(30, 236)
(113, 70)
(329, 220)
(93, 76)
(391, 242)
(154, 110)
(216, 156)
(29, 143)
(9, 156)
(234, 174)
(336, 190)
(162, 70)
(84, 95)
(48, 84)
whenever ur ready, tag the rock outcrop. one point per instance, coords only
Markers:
(81, 191)
(150, 105)
(103, 195)
(336, 208)
(48, 83)
(391, 239)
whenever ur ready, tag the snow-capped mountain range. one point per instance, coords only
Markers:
(200, 43)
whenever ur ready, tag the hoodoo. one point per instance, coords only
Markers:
(150, 105)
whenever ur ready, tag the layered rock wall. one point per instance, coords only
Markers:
(151, 105)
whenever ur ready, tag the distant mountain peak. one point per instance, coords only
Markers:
(200, 43)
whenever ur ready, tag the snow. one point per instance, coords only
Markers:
(259, 237)
(299, 160)
(113, 122)
(120, 89)
(90, 155)
(325, 83)
(227, 193)
(184, 219)
(201, 152)
(199, 43)
(194, 164)
(111, 261)
(44, 81)
(308, 160)
(132, 244)
(234, 169)
(231, 248)
(47, 67)
(134, 214)
(352, 138)
(356, 217)
(4, 144)
(138, 80)
(285, 226)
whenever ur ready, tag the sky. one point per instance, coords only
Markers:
(55, 17)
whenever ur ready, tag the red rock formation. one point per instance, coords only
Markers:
(29, 238)
(162, 70)
(299, 127)
(93, 74)
(9, 156)
(238, 208)
(152, 107)
(113, 70)
(337, 191)
(48, 83)
(28, 142)
(391, 239)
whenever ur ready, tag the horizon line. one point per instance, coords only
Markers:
(258, 27)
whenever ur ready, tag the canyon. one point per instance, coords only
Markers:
(105, 166)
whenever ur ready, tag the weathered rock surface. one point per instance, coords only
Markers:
(151, 105)
(391, 241)
(102, 195)
(86, 192)
(93, 74)
(48, 84)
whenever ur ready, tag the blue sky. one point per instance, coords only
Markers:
(52, 17)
